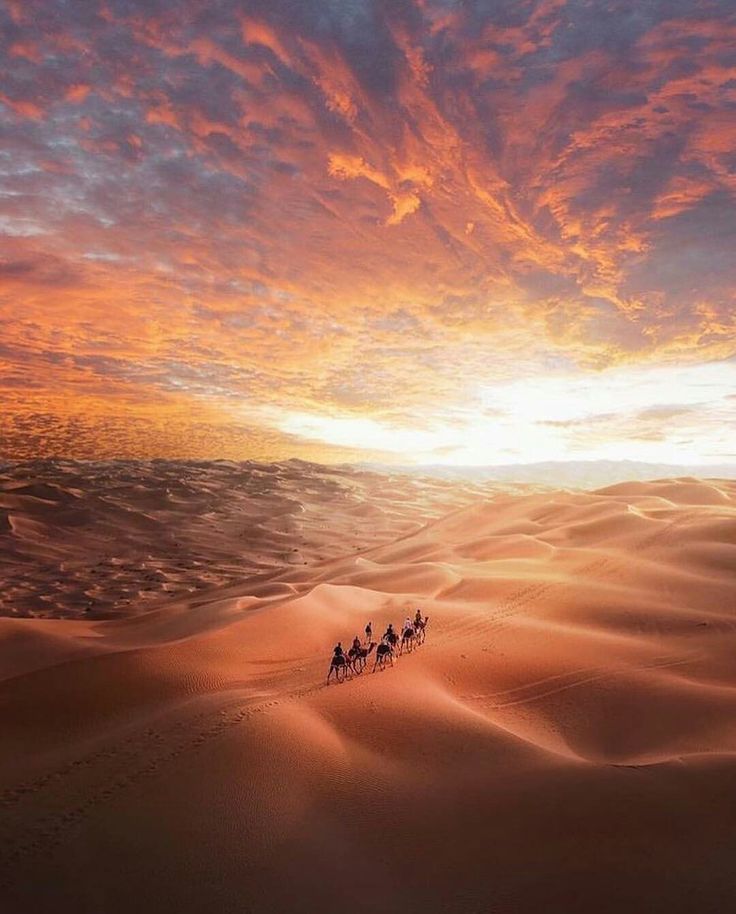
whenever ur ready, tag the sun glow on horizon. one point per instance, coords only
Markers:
(433, 231)
(625, 413)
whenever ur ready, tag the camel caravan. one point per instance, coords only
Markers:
(392, 645)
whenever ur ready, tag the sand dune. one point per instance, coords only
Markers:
(114, 538)
(564, 741)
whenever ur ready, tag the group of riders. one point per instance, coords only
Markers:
(343, 664)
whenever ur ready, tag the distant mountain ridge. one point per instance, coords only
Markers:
(584, 474)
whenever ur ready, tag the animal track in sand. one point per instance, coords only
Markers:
(510, 606)
(35, 820)
(134, 748)
(119, 766)
(590, 675)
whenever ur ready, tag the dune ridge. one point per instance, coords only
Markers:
(565, 740)
(111, 538)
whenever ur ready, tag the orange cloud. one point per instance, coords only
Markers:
(77, 93)
(22, 107)
(259, 32)
(360, 209)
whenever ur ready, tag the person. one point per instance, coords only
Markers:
(356, 645)
(368, 633)
(418, 619)
(408, 625)
(391, 638)
(338, 660)
(382, 652)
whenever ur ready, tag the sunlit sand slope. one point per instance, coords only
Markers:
(115, 538)
(564, 741)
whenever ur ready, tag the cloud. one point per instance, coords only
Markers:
(356, 208)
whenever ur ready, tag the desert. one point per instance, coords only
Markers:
(563, 741)
(367, 465)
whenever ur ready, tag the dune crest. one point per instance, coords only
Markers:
(115, 538)
(572, 714)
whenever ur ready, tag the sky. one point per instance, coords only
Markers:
(414, 231)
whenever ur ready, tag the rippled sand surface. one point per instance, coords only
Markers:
(564, 741)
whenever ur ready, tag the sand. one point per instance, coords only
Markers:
(564, 741)
(101, 540)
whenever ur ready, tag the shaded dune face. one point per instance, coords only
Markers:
(564, 741)
(115, 538)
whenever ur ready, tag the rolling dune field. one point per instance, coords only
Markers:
(564, 740)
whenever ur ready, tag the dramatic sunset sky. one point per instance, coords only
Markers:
(445, 231)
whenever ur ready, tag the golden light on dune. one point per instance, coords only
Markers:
(177, 736)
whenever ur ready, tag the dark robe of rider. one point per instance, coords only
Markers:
(418, 618)
(356, 644)
(389, 631)
(337, 652)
